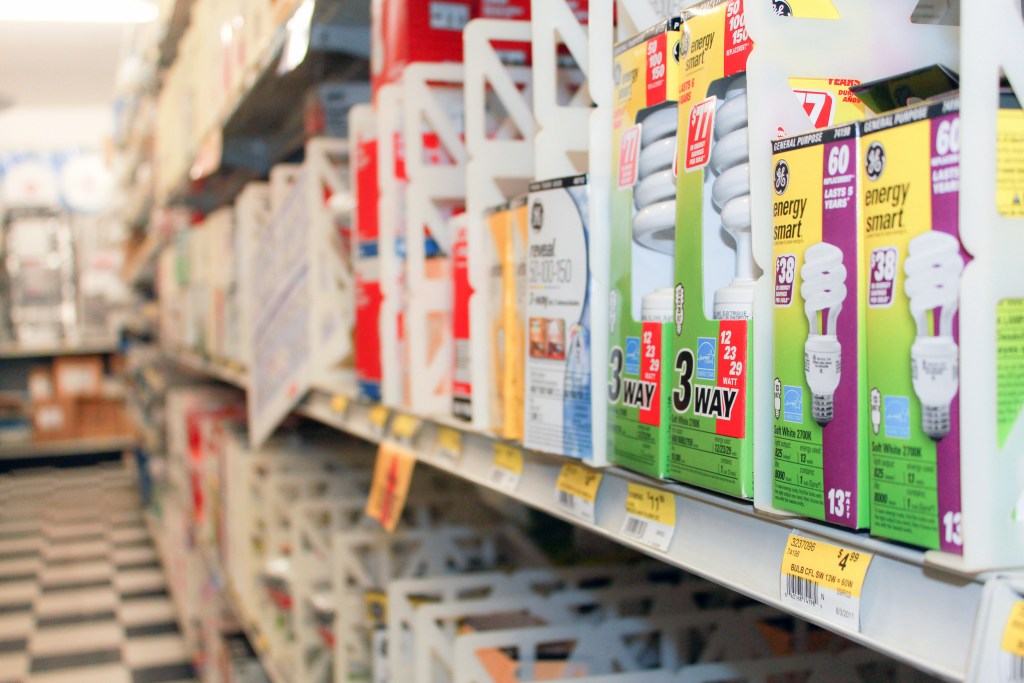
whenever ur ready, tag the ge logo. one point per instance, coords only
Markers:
(781, 177)
(537, 217)
(874, 161)
(782, 8)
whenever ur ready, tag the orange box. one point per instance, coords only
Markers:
(55, 420)
(75, 376)
(102, 418)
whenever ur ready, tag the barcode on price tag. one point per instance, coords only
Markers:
(449, 443)
(576, 490)
(508, 467)
(1011, 665)
(650, 516)
(824, 580)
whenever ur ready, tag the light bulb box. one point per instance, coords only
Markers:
(560, 295)
(507, 227)
(646, 73)
(712, 414)
(366, 253)
(909, 201)
(819, 431)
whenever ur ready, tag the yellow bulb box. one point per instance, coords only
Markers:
(819, 432)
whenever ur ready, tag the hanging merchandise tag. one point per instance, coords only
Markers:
(508, 467)
(650, 516)
(449, 443)
(824, 580)
(1011, 665)
(378, 419)
(404, 427)
(576, 491)
(392, 476)
(339, 404)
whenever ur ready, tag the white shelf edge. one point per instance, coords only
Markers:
(907, 599)
(192, 361)
(906, 604)
(100, 346)
(67, 448)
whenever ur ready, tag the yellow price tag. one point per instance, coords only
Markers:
(579, 481)
(392, 476)
(339, 404)
(379, 416)
(653, 504)
(405, 426)
(824, 579)
(376, 608)
(508, 458)
(576, 490)
(449, 441)
(650, 516)
(1013, 634)
(508, 467)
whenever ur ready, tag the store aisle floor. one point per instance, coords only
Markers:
(82, 594)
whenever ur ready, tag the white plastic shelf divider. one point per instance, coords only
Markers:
(248, 624)
(69, 448)
(913, 612)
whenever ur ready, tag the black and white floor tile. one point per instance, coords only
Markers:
(82, 595)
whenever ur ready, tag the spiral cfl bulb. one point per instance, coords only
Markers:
(823, 290)
(933, 269)
(655, 193)
(730, 192)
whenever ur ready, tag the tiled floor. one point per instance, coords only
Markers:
(82, 594)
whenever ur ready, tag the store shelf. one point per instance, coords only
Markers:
(906, 603)
(87, 348)
(198, 364)
(70, 448)
(141, 264)
(246, 621)
(172, 32)
(263, 124)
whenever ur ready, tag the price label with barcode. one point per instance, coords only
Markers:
(1011, 663)
(378, 420)
(576, 490)
(824, 580)
(650, 516)
(404, 427)
(508, 467)
(339, 404)
(449, 443)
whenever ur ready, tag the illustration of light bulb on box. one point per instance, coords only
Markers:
(823, 290)
(778, 397)
(876, 410)
(731, 194)
(932, 285)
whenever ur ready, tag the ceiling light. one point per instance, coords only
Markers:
(96, 11)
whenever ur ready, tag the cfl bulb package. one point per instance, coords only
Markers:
(715, 275)
(560, 295)
(909, 198)
(643, 213)
(819, 432)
